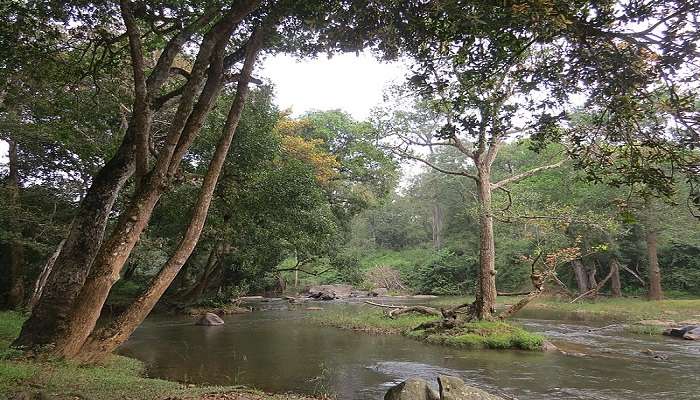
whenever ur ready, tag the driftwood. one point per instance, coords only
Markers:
(398, 310)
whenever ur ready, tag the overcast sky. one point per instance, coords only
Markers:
(347, 81)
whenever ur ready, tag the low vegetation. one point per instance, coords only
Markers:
(473, 335)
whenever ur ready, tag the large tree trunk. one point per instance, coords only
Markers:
(581, 276)
(615, 285)
(47, 320)
(655, 291)
(486, 293)
(15, 295)
(199, 93)
(105, 340)
(213, 262)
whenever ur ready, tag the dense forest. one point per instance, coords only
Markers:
(535, 149)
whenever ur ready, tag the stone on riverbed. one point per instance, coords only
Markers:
(209, 319)
(686, 332)
(411, 389)
(330, 292)
(452, 388)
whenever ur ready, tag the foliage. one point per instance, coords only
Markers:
(445, 273)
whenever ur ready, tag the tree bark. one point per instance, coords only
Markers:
(47, 320)
(486, 296)
(15, 295)
(655, 291)
(581, 276)
(105, 340)
(213, 262)
(43, 277)
(615, 285)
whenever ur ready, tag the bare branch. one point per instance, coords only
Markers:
(526, 174)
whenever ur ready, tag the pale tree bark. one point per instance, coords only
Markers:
(487, 249)
(43, 277)
(655, 291)
(15, 295)
(85, 237)
(105, 340)
(437, 224)
(615, 285)
(581, 276)
(184, 127)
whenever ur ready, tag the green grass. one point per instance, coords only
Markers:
(638, 329)
(626, 309)
(120, 378)
(474, 335)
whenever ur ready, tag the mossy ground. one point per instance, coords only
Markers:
(474, 335)
(119, 378)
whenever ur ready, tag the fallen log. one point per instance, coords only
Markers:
(398, 310)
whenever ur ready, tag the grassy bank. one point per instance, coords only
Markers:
(120, 378)
(602, 309)
(476, 335)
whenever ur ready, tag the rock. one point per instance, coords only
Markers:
(411, 389)
(329, 292)
(209, 319)
(682, 331)
(452, 388)
(549, 347)
(693, 334)
(378, 292)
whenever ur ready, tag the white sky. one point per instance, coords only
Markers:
(352, 83)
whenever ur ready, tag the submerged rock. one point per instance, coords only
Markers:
(412, 389)
(209, 319)
(452, 388)
(548, 347)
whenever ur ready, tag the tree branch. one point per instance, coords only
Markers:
(526, 174)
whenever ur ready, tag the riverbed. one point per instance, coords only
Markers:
(277, 349)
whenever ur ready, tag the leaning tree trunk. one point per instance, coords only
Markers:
(107, 339)
(48, 318)
(43, 277)
(486, 293)
(15, 295)
(655, 291)
(198, 95)
(615, 285)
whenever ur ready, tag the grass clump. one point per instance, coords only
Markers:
(639, 329)
(473, 335)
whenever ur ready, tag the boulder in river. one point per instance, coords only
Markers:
(412, 389)
(329, 292)
(452, 388)
(690, 332)
(209, 319)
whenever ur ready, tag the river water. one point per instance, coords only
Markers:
(278, 350)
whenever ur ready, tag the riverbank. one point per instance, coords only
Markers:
(627, 309)
(475, 335)
(119, 378)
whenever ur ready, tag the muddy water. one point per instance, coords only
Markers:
(278, 350)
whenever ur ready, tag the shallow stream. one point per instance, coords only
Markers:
(277, 349)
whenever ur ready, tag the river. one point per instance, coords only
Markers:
(277, 350)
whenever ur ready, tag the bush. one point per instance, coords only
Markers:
(446, 273)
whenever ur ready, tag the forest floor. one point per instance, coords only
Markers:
(475, 335)
(119, 378)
